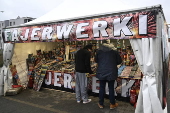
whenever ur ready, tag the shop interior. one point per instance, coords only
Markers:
(32, 62)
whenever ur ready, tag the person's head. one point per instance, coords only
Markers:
(89, 47)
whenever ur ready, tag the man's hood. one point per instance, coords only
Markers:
(107, 47)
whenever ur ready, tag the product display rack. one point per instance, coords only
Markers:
(61, 60)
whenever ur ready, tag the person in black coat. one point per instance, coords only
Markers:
(107, 59)
(82, 60)
(82, 66)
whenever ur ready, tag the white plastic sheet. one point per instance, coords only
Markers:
(6, 75)
(21, 52)
(1, 83)
(148, 99)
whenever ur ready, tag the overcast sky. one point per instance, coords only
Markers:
(37, 8)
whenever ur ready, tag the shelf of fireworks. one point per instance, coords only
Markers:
(60, 65)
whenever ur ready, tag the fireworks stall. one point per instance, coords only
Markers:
(42, 53)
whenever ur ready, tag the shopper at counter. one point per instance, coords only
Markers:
(82, 67)
(107, 59)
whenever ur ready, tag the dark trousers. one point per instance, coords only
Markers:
(102, 91)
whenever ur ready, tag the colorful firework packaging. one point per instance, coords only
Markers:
(123, 26)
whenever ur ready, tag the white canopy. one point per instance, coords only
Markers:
(150, 54)
(78, 9)
(151, 66)
(147, 51)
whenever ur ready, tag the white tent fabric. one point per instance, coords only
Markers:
(20, 55)
(149, 61)
(1, 83)
(77, 9)
(149, 99)
(8, 53)
(12, 53)
(5, 71)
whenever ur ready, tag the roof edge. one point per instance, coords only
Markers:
(89, 16)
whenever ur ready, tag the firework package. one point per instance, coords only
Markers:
(54, 69)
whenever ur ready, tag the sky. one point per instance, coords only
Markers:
(37, 8)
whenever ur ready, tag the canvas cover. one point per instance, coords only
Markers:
(140, 26)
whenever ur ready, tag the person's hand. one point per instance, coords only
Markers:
(87, 74)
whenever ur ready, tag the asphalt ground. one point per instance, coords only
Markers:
(56, 101)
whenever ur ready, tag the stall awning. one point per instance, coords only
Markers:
(123, 25)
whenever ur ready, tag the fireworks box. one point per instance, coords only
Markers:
(14, 91)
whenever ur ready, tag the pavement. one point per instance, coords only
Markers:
(56, 101)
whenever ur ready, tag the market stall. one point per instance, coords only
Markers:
(145, 56)
(60, 71)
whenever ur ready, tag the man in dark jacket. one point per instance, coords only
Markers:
(82, 67)
(107, 71)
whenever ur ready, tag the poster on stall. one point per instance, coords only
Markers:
(119, 26)
(67, 80)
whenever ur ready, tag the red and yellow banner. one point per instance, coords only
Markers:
(120, 26)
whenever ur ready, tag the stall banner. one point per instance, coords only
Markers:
(60, 79)
(67, 80)
(117, 26)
